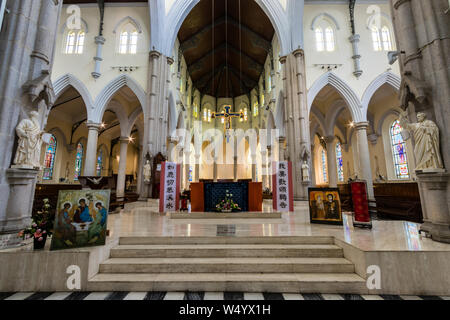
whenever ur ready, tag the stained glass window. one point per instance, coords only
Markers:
(255, 109)
(79, 161)
(399, 151)
(49, 161)
(99, 163)
(191, 170)
(324, 166)
(340, 163)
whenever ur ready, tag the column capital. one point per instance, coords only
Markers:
(93, 126)
(172, 140)
(170, 61)
(281, 139)
(124, 140)
(154, 54)
(283, 59)
(362, 125)
(329, 139)
(298, 52)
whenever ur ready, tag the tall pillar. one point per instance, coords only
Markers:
(91, 150)
(331, 161)
(264, 168)
(171, 150)
(235, 168)
(27, 39)
(254, 166)
(421, 29)
(187, 168)
(197, 168)
(121, 175)
(281, 149)
(363, 156)
(297, 118)
(269, 167)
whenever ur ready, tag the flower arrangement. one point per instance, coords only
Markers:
(41, 226)
(227, 205)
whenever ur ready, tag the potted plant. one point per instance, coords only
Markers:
(227, 205)
(41, 227)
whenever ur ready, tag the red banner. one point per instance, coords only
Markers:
(360, 202)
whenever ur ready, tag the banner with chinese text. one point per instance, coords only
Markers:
(283, 189)
(169, 196)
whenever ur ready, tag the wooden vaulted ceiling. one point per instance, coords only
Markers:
(233, 64)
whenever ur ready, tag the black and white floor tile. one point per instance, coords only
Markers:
(200, 296)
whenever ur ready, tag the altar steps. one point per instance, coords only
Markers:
(227, 265)
(250, 264)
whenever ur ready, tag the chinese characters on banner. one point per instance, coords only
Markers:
(169, 196)
(283, 190)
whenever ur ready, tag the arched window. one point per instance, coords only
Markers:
(49, 161)
(195, 111)
(128, 40)
(325, 39)
(269, 82)
(79, 161)
(207, 115)
(381, 38)
(99, 167)
(323, 162)
(75, 42)
(320, 41)
(255, 109)
(329, 39)
(386, 37)
(399, 151)
(340, 162)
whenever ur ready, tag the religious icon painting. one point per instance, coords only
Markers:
(325, 206)
(81, 219)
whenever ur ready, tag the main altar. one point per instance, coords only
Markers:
(206, 195)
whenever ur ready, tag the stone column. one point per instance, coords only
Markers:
(269, 167)
(99, 41)
(281, 149)
(121, 175)
(91, 149)
(254, 166)
(235, 168)
(331, 161)
(27, 40)
(187, 168)
(264, 168)
(363, 156)
(197, 168)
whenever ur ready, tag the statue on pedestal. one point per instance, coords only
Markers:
(305, 171)
(426, 136)
(147, 171)
(30, 140)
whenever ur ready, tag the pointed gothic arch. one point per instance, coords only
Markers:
(111, 89)
(347, 93)
(385, 78)
(69, 80)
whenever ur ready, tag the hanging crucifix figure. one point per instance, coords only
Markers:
(227, 119)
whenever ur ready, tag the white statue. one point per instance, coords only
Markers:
(30, 140)
(305, 171)
(426, 137)
(147, 172)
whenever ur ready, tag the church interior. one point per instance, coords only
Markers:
(342, 91)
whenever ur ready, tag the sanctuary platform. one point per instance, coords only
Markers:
(148, 251)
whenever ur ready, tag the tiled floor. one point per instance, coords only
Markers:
(201, 296)
(385, 235)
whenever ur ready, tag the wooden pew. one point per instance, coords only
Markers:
(399, 201)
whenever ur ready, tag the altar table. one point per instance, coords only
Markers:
(206, 195)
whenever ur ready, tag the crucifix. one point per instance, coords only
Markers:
(227, 117)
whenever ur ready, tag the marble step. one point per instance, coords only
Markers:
(230, 282)
(227, 265)
(229, 250)
(227, 240)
